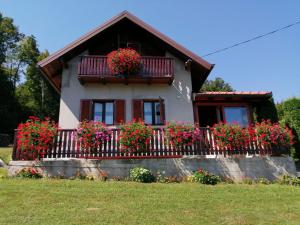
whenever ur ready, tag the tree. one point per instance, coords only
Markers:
(10, 38)
(35, 93)
(218, 84)
(289, 114)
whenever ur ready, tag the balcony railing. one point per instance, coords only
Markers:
(153, 69)
(66, 145)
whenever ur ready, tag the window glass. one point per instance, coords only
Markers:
(237, 115)
(148, 112)
(157, 113)
(98, 112)
(109, 113)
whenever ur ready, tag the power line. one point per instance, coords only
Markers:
(252, 39)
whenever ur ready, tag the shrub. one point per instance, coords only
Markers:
(35, 136)
(232, 136)
(92, 134)
(29, 173)
(135, 137)
(204, 177)
(140, 174)
(161, 178)
(273, 134)
(124, 61)
(288, 180)
(181, 135)
(4, 140)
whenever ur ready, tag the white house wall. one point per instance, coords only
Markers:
(177, 97)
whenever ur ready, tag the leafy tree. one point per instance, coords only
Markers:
(35, 93)
(289, 114)
(218, 84)
(10, 38)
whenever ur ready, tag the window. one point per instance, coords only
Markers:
(237, 115)
(152, 112)
(104, 112)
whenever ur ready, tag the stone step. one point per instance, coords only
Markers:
(298, 174)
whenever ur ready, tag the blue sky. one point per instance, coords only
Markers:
(271, 63)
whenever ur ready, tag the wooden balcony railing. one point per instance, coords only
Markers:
(66, 145)
(153, 69)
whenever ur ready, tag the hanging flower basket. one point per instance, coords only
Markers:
(124, 61)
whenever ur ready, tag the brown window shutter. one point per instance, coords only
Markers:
(137, 109)
(120, 111)
(162, 111)
(85, 109)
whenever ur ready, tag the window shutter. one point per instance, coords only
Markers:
(137, 110)
(162, 111)
(85, 109)
(119, 111)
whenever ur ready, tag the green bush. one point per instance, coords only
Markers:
(289, 180)
(140, 174)
(204, 177)
(29, 173)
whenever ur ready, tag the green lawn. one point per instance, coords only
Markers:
(5, 154)
(93, 202)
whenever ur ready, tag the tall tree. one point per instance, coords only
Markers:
(10, 38)
(218, 84)
(35, 93)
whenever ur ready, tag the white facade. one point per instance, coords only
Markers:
(177, 97)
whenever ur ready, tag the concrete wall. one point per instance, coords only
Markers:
(234, 168)
(178, 102)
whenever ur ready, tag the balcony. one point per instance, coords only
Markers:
(153, 70)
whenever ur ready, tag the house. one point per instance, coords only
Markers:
(165, 89)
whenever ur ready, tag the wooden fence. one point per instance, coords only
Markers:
(66, 145)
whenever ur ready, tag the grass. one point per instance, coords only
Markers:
(5, 154)
(93, 202)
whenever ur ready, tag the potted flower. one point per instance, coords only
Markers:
(35, 137)
(135, 137)
(181, 135)
(231, 136)
(124, 61)
(273, 135)
(91, 135)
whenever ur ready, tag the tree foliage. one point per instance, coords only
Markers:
(289, 114)
(218, 84)
(24, 91)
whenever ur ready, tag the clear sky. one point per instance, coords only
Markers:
(271, 63)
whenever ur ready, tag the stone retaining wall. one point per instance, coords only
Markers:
(234, 168)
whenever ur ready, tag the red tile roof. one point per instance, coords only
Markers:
(235, 93)
(245, 94)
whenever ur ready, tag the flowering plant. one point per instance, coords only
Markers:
(232, 136)
(135, 137)
(92, 134)
(180, 134)
(29, 173)
(203, 177)
(140, 174)
(124, 61)
(273, 134)
(35, 136)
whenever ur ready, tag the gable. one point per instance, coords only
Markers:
(107, 37)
